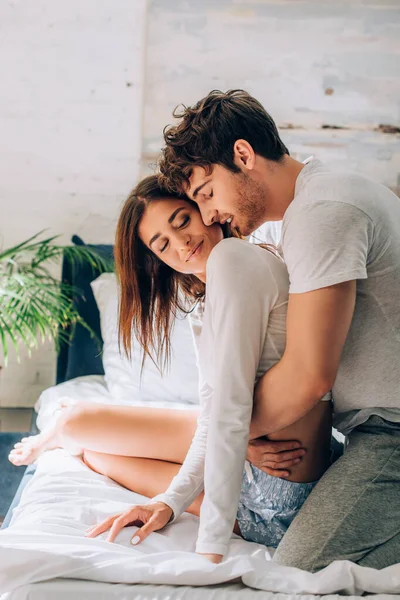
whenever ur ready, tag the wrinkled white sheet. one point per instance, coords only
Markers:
(65, 589)
(46, 540)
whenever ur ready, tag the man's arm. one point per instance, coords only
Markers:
(317, 326)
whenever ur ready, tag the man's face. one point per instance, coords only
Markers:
(223, 195)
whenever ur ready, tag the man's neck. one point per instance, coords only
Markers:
(283, 179)
(294, 169)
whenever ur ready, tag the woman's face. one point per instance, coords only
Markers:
(174, 231)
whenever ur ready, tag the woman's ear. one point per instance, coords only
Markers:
(243, 155)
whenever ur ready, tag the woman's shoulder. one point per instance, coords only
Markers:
(234, 254)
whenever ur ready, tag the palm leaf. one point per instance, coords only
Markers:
(35, 303)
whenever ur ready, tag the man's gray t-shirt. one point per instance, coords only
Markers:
(339, 227)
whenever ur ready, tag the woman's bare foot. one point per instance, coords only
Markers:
(30, 448)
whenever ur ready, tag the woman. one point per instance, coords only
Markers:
(163, 249)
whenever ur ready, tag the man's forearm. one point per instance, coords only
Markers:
(283, 396)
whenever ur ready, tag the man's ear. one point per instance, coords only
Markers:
(243, 155)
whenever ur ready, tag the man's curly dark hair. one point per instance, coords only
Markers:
(207, 132)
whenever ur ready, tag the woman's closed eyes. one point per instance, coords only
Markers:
(183, 224)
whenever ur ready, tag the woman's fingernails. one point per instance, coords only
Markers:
(135, 540)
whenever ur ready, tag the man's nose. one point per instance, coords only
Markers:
(209, 217)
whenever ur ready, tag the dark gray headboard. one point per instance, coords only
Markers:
(82, 356)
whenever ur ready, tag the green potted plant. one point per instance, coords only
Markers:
(34, 304)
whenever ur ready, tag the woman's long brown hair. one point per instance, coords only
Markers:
(150, 291)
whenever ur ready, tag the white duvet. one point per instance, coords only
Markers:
(46, 540)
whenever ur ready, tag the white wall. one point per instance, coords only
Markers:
(76, 78)
(71, 77)
(311, 63)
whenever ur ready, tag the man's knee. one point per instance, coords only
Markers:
(288, 557)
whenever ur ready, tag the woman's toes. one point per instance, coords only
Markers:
(24, 439)
(25, 454)
(18, 444)
(16, 452)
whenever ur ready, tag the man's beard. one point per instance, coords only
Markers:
(251, 204)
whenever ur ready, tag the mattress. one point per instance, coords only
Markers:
(44, 554)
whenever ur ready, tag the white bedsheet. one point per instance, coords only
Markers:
(46, 540)
(65, 589)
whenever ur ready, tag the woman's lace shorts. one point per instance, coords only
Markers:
(268, 505)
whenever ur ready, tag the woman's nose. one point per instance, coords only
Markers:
(182, 241)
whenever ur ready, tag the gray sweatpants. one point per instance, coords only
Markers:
(353, 513)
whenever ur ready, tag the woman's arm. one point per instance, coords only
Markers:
(241, 292)
(189, 481)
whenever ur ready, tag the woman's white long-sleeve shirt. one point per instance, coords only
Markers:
(242, 335)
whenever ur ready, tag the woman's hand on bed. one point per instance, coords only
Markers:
(274, 457)
(148, 517)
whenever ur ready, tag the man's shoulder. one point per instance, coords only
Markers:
(320, 184)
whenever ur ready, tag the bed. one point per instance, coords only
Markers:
(43, 552)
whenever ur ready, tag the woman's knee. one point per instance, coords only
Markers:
(96, 461)
(73, 419)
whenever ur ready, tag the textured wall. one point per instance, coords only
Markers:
(312, 65)
(70, 122)
(70, 110)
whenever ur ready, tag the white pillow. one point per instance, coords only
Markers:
(179, 382)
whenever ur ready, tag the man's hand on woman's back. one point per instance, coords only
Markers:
(274, 457)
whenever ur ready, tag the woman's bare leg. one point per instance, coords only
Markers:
(144, 476)
(136, 431)
(163, 434)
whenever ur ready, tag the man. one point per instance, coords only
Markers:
(341, 244)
